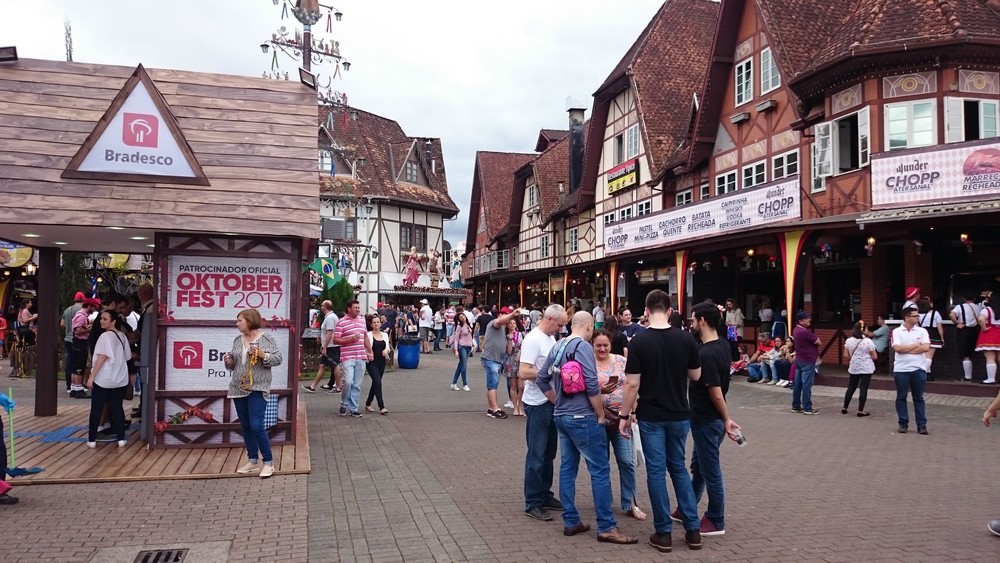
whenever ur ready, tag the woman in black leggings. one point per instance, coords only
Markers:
(376, 368)
(862, 356)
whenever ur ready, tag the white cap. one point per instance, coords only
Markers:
(423, 301)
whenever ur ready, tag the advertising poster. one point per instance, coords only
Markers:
(962, 173)
(216, 289)
(13, 255)
(194, 358)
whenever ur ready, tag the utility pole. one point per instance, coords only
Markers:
(69, 40)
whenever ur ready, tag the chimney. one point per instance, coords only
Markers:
(576, 108)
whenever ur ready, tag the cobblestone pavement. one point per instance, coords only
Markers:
(437, 480)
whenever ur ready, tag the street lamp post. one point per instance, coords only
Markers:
(304, 46)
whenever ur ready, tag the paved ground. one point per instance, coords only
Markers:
(436, 480)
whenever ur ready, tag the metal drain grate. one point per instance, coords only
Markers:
(161, 556)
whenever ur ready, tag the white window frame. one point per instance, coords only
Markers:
(684, 198)
(618, 149)
(909, 105)
(644, 208)
(573, 240)
(954, 118)
(758, 174)
(410, 171)
(610, 218)
(705, 190)
(325, 162)
(770, 78)
(625, 213)
(544, 246)
(825, 152)
(727, 179)
(532, 196)
(632, 142)
(743, 81)
(779, 171)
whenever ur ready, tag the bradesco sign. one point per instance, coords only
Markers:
(137, 141)
(212, 288)
(932, 176)
(730, 214)
(194, 358)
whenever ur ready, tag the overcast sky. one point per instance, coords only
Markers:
(480, 75)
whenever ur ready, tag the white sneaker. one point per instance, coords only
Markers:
(762, 380)
(466, 388)
(454, 387)
(508, 405)
(785, 383)
(249, 468)
(91, 445)
(772, 382)
(122, 443)
(267, 471)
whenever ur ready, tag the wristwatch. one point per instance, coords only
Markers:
(626, 416)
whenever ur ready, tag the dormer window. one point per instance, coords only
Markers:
(411, 171)
(744, 81)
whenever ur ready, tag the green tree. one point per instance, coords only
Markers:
(73, 278)
(339, 295)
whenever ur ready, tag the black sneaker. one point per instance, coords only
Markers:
(552, 503)
(308, 389)
(539, 513)
(693, 538)
(796, 410)
(356, 414)
(902, 429)
(7, 499)
(343, 411)
(661, 542)
(810, 411)
(922, 430)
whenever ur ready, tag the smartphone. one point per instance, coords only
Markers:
(613, 380)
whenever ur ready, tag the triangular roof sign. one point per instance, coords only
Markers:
(137, 139)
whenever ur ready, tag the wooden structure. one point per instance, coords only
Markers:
(56, 444)
(250, 146)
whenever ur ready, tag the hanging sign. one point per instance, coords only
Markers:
(13, 255)
(933, 176)
(623, 176)
(214, 288)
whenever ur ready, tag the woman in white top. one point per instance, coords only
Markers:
(109, 378)
(930, 320)
(735, 319)
(861, 351)
(376, 368)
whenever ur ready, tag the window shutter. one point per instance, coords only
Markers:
(987, 119)
(823, 151)
(864, 136)
(953, 126)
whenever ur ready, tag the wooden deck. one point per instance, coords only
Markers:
(58, 445)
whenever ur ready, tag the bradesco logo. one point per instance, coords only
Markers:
(188, 355)
(140, 130)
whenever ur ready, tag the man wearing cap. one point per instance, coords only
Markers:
(80, 328)
(912, 296)
(426, 325)
(806, 354)
(67, 325)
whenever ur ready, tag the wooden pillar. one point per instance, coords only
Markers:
(50, 339)
(520, 292)
(613, 288)
(681, 272)
(791, 244)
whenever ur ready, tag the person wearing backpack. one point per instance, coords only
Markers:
(568, 378)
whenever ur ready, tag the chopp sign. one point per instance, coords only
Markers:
(203, 288)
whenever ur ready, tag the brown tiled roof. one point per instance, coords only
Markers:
(548, 136)
(552, 168)
(798, 27)
(876, 26)
(492, 186)
(370, 136)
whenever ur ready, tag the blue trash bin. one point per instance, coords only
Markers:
(408, 352)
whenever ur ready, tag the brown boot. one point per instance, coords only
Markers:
(616, 536)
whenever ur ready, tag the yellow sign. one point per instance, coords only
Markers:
(13, 255)
(119, 261)
(625, 175)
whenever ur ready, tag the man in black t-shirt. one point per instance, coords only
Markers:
(710, 421)
(660, 362)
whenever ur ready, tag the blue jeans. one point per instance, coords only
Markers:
(250, 409)
(914, 382)
(463, 365)
(761, 371)
(626, 471)
(540, 433)
(802, 388)
(581, 436)
(438, 332)
(492, 373)
(663, 445)
(353, 372)
(706, 472)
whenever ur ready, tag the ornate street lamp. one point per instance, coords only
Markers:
(303, 45)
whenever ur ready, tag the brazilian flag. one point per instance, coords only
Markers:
(326, 268)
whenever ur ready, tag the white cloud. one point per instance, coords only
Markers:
(480, 75)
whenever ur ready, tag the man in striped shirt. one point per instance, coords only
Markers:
(355, 351)
(449, 321)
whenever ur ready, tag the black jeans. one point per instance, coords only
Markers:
(376, 370)
(99, 397)
(865, 380)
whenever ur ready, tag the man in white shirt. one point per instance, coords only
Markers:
(599, 314)
(540, 431)
(331, 352)
(910, 342)
(426, 325)
(965, 316)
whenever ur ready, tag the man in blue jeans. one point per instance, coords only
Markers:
(494, 350)
(710, 421)
(579, 417)
(661, 361)
(910, 342)
(806, 355)
(539, 431)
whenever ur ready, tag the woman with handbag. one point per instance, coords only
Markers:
(511, 364)
(862, 354)
(254, 354)
(109, 378)
(611, 378)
